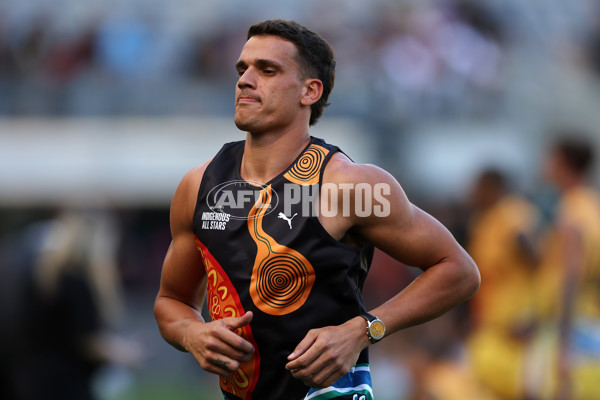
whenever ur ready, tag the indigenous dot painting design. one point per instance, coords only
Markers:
(223, 301)
(282, 278)
(306, 170)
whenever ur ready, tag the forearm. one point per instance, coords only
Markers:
(174, 318)
(573, 267)
(439, 289)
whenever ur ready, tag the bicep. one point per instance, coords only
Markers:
(406, 232)
(415, 238)
(183, 277)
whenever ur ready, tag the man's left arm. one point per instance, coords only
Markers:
(411, 236)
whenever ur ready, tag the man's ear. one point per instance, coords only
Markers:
(312, 92)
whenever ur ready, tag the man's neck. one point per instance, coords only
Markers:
(268, 155)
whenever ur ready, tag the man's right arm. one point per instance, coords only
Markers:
(182, 291)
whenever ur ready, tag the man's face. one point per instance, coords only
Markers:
(269, 87)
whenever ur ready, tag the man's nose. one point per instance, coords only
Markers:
(246, 80)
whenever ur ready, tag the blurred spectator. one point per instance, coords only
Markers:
(422, 59)
(17, 254)
(211, 55)
(71, 300)
(438, 53)
(569, 281)
(71, 57)
(125, 47)
(31, 47)
(592, 43)
(500, 240)
(8, 62)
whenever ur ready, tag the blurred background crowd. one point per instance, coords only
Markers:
(487, 112)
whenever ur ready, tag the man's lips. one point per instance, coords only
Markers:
(248, 99)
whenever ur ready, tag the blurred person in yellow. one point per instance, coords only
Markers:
(568, 290)
(500, 240)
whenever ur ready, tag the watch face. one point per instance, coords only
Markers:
(377, 329)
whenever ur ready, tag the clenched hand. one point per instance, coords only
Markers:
(216, 346)
(326, 354)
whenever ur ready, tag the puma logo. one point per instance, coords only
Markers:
(289, 220)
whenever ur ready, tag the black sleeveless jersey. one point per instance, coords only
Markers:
(265, 250)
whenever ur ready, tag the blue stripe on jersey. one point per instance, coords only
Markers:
(356, 383)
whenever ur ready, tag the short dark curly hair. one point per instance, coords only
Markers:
(315, 56)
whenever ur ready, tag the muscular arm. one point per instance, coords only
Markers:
(415, 238)
(571, 238)
(183, 280)
(409, 235)
(183, 289)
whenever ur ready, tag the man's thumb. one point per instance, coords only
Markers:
(238, 322)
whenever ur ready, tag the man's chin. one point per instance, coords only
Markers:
(244, 125)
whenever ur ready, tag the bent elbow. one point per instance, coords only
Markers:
(472, 277)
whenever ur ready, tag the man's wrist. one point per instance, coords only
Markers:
(375, 330)
(360, 325)
(185, 338)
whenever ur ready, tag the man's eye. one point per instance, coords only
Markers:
(269, 71)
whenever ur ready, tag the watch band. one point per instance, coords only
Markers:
(375, 327)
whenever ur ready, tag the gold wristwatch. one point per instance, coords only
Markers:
(375, 327)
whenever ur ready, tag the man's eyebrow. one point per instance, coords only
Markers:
(260, 63)
(240, 64)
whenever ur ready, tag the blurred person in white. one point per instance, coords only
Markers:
(439, 56)
(501, 237)
(567, 353)
(72, 300)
